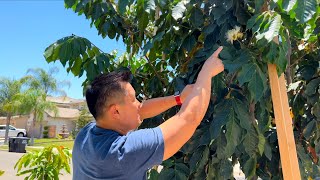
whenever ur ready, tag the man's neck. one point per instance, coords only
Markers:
(106, 124)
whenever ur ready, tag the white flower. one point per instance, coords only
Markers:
(55, 151)
(302, 46)
(234, 34)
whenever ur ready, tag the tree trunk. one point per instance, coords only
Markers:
(41, 130)
(7, 128)
(32, 129)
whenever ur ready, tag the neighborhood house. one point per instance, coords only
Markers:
(68, 112)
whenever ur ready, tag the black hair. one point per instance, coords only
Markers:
(103, 88)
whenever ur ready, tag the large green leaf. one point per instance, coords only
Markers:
(149, 5)
(312, 87)
(197, 17)
(122, 4)
(274, 28)
(251, 142)
(219, 118)
(306, 9)
(81, 54)
(233, 134)
(242, 112)
(199, 159)
(288, 4)
(178, 10)
(179, 172)
(258, 84)
(246, 73)
(316, 110)
(249, 168)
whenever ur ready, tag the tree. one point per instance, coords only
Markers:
(34, 102)
(167, 43)
(84, 118)
(40, 79)
(8, 103)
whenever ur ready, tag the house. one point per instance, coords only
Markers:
(68, 112)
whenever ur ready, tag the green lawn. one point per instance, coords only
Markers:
(44, 143)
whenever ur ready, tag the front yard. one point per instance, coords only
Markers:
(39, 143)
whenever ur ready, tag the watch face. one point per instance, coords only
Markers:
(177, 93)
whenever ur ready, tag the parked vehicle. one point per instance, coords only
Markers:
(13, 132)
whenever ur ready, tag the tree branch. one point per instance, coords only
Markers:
(288, 70)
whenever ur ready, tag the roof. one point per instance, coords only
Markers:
(13, 117)
(64, 100)
(65, 113)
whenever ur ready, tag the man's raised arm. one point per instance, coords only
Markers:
(179, 129)
(155, 106)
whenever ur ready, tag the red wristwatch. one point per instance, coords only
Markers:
(177, 97)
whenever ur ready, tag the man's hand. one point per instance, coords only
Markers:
(213, 64)
(186, 91)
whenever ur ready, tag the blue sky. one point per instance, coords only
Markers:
(28, 27)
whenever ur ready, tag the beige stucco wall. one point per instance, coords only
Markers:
(16, 121)
(24, 122)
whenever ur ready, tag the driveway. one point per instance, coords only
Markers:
(9, 159)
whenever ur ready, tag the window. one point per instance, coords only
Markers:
(2, 128)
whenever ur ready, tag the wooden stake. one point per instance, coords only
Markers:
(287, 146)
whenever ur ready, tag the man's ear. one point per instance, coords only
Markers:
(113, 111)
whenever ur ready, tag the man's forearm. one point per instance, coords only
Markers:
(155, 106)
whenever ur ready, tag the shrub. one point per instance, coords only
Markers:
(45, 164)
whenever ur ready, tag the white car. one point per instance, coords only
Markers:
(13, 132)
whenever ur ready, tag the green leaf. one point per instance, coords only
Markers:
(251, 22)
(65, 53)
(274, 28)
(153, 174)
(309, 129)
(267, 150)
(76, 68)
(281, 61)
(197, 17)
(306, 9)
(166, 174)
(49, 51)
(273, 52)
(246, 73)
(233, 134)
(69, 3)
(219, 118)
(261, 144)
(178, 10)
(288, 4)
(217, 12)
(258, 84)
(1, 172)
(149, 5)
(189, 42)
(312, 87)
(251, 142)
(316, 110)
(179, 172)
(250, 167)
(196, 158)
(122, 4)
(242, 112)
(233, 65)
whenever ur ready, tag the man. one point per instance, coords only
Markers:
(111, 149)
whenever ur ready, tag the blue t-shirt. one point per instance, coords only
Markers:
(105, 154)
